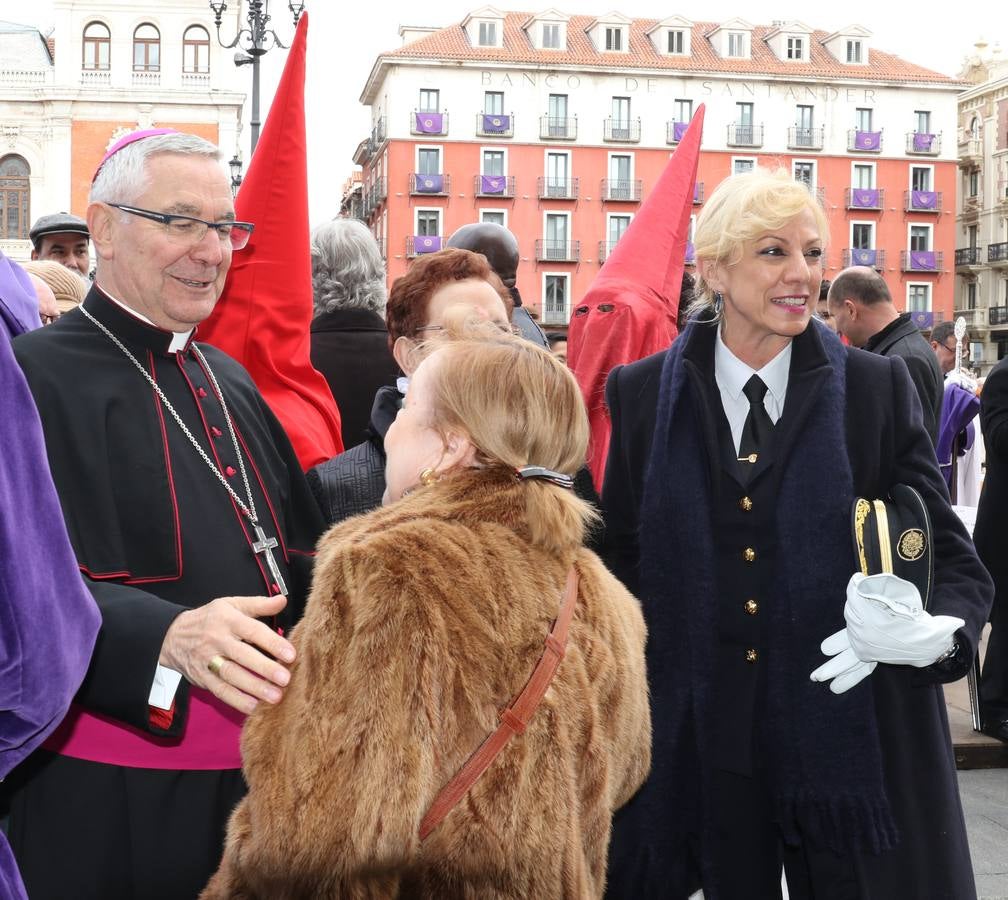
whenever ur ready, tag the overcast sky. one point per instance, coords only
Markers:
(345, 37)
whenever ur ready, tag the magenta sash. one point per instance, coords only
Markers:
(209, 740)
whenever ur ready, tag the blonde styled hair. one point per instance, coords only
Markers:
(519, 406)
(742, 208)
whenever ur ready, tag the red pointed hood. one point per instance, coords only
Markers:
(630, 310)
(264, 316)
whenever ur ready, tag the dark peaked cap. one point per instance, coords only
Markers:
(57, 223)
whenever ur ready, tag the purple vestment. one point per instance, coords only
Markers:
(959, 408)
(48, 619)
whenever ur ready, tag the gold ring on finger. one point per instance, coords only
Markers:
(216, 664)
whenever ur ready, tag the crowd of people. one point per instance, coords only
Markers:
(439, 664)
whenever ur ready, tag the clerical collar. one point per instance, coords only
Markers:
(179, 339)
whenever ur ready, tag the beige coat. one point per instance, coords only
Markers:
(425, 620)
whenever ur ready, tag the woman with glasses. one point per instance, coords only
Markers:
(798, 709)
(448, 282)
(425, 638)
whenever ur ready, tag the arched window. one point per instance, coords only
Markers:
(146, 49)
(196, 50)
(97, 41)
(15, 192)
(975, 127)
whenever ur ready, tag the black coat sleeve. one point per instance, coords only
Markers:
(994, 412)
(929, 392)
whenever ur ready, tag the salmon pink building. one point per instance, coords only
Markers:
(557, 126)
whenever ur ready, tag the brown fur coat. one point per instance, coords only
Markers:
(426, 618)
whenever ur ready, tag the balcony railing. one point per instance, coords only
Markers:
(864, 198)
(745, 135)
(548, 250)
(698, 193)
(558, 188)
(806, 138)
(378, 131)
(972, 316)
(604, 249)
(864, 141)
(194, 80)
(970, 151)
(626, 131)
(922, 201)
(621, 189)
(494, 185)
(418, 244)
(969, 256)
(381, 247)
(557, 129)
(94, 77)
(146, 79)
(428, 122)
(921, 143)
(857, 256)
(490, 125)
(997, 254)
(430, 185)
(554, 315)
(921, 260)
(674, 131)
(998, 315)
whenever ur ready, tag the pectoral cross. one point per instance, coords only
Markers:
(265, 545)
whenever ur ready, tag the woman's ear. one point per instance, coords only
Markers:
(710, 272)
(402, 352)
(460, 452)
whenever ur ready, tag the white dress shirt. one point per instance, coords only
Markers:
(731, 375)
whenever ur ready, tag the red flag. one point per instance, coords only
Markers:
(264, 315)
(630, 310)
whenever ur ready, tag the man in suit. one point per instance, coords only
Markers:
(863, 309)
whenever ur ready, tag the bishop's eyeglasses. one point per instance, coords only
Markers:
(190, 230)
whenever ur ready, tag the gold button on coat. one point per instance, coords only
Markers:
(750, 655)
(751, 607)
(745, 504)
(749, 554)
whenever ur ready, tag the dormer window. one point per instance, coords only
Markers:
(854, 54)
(736, 44)
(795, 48)
(614, 38)
(850, 46)
(488, 34)
(551, 36)
(676, 41)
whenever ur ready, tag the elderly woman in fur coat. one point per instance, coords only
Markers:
(426, 619)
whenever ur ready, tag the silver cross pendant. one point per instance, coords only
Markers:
(263, 545)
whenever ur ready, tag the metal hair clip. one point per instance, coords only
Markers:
(564, 481)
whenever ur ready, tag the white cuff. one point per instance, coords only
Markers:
(162, 692)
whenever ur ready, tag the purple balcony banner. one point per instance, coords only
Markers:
(867, 140)
(429, 184)
(697, 192)
(859, 257)
(923, 200)
(690, 253)
(923, 260)
(429, 123)
(493, 184)
(426, 243)
(678, 130)
(922, 141)
(496, 124)
(865, 198)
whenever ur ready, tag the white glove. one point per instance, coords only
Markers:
(886, 622)
(845, 669)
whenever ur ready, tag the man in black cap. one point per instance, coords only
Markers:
(62, 238)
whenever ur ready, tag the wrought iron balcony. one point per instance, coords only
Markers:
(998, 315)
(858, 256)
(997, 254)
(806, 138)
(864, 198)
(554, 314)
(626, 131)
(969, 256)
(378, 131)
(864, 141)
(418, 244)
(922, 201)
(604, 249)
(621, 189)
(490, 125)
(557, 129)
(921, 260)
(493, 185)
(674, 131)
(431, 123)
(558, 188)
(745, 135)
(430, 185)
(548, 250)
(922, 143)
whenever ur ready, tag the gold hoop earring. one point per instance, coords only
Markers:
(428, 477)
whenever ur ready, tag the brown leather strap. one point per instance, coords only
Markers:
(514, 719)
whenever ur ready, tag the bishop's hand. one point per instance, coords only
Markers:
(224, 648)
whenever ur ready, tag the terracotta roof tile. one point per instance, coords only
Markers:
(452, 42)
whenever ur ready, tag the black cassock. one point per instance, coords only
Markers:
(156, 533)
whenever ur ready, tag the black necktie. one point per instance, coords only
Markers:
(757, 428)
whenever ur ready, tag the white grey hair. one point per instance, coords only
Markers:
(347, 268)
(123, 177)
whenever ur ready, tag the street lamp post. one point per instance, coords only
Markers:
(236, 173)
(259, 38)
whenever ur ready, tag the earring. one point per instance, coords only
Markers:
(718, 304)
(428, 477)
